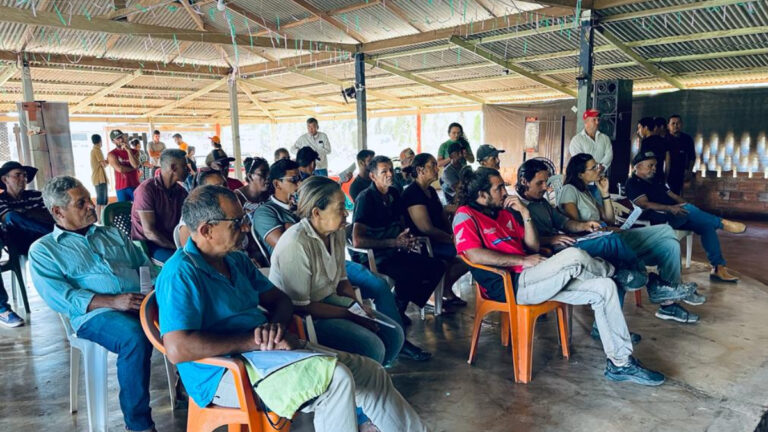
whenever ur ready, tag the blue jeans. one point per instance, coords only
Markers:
(375, 288)
(444, 251)
(614, 250)
(23, 231)
(125, 194)
(705, 225)
(656, 245)
(121, 333)
(345, 335)
(159, 253)
(320, 172)
(4, 306)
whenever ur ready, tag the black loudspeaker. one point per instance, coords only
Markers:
(613, 98)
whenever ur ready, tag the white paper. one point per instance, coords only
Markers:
(632, 218)
(359, 311)
(145, 280)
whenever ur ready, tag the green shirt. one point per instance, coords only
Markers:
(442, 152)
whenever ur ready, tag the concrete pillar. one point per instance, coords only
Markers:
(586, 61)
(362, 106)
(235, 126)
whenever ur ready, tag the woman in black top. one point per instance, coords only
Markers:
(425, 216)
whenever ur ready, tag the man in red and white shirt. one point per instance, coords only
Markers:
(494, 229)
(125, 161)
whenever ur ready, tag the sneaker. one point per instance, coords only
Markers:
(695, 299)
(634, 372)
(634, 337)
(10, 319)
(630, 280)
(413, 352)
(675, 312)
(660, 291)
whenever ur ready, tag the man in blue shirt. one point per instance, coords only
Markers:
(90, 274)
(209, 297)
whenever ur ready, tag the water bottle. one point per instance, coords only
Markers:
(145, 279)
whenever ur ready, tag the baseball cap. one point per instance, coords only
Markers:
(217, 156)
(486, 151)
(115, 134)
(215, 139)
(590, 113)
(644, 156)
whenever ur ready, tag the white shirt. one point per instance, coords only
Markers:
(599, 148)
(319, 142)
(303, 268)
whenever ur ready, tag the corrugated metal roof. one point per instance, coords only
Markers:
(377, 23)
(321, 31)
(439, 14)
(270, 10)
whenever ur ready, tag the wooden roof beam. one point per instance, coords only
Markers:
(409, 76)
(191, 97)
(298, 95)
(80, 22)
(105, 91)
(7, 73)
(255, 101)
(653, 70)
(29, 32)
(705, 4)
(488, 55)
(325, 16)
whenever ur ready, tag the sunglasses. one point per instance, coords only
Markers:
(237, 223)
(294, 179)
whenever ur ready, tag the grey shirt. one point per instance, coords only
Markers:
(588, 210)
(548, 221)
(268, 217)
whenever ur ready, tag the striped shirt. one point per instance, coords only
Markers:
(29, 201)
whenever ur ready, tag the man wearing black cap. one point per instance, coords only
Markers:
(450, 177)
(488, 156)
(125, 162)
(307, 159)
(664, 206)
(23, 219)
(221, 162)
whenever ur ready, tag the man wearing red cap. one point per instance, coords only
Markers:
(592, 141)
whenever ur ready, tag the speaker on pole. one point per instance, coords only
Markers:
(613, 98)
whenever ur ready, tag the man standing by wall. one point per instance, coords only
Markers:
(682, 155)
(318, 141)
(125, 162)
(592, 141)
(98, 174)
(156, 148)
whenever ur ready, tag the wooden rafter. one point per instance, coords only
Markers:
(255, 101)
(136, 8)
(488, 55)
(29, 32)
(298, 95)
(191, 97)
(409, 76)
(325, 16)
(105, 91)
(201, 26)
(672, 9)
(653, 70)
(7, 73)
(80, 22)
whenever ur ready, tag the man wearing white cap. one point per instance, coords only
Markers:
(592, 141)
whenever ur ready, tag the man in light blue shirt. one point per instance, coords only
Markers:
(90, 274)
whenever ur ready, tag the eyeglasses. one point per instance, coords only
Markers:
(237, 223)
(595, 167)
(294, 179)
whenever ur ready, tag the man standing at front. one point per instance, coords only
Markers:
(592, 141)
(90, 274)
(318, 141)
(156, 148)
(125, 162)
(98, 175)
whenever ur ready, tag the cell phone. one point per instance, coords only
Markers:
(603, 225)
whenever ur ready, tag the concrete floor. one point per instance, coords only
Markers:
(717, 370)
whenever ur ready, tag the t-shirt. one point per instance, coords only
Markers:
(302, 266)
(585, 203)
(145, 171)
(358, 185)
(152, 195)
(442, 151)
(30, 203)
(193, 296)
(268, 217)
(124, 180)
(473, 229)
(401, 181)
(381, 214)
(415, 195)
(658, 146)
(234, 184)
(448, 181)
(98, 175)
(548, 221)
(681, 153)
(155, 150)
(183, 146)
(656, 192)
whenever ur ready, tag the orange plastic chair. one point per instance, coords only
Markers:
(205, 419)
(639, 298)
(518, 322)
(345, 187)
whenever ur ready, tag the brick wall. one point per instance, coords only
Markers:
(730, 196)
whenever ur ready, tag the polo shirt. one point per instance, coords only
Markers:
(449, 179)
(381, 214)
(585, 202)
(681, 152)
(28, 202)
(599, 148)
(656, 192)
(124, 180)
(319, 143)
(151, 195)
(302, 266)
(358, 185)
(442, 151)
(473, 229)
(193, 296)
(548, 221)
(268, 217)
(414, 195)
(658, 146)
(68, 269)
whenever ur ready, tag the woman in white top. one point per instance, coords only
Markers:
(308, 265)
